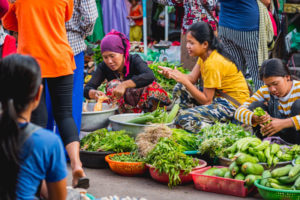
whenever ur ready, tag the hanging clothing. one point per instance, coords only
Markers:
(115, 16)
(98, 32)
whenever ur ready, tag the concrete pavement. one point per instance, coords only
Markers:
(104, 182)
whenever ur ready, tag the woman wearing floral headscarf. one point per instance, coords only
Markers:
(130, 81)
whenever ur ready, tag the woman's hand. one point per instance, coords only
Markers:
(275, 126)
(178, 76)
(165, 71)
(119, 91)
(95, 94)
(173, 74)
(261, 119)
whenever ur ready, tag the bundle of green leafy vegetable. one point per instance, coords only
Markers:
(188, 141)
(132, 157)
(167, 157)
(97, 55)
(104, 140)
(216, 138)
(167, 84)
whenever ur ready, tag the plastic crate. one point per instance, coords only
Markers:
(276, 194)
(218, 184)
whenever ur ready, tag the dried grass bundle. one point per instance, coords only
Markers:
(147, 140)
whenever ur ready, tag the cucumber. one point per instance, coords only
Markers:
(234, 168)
(287, 179)
(265, 175)
(297, 184)
(274, 148)
(262, 146)
(173, 113)
(250, 179)
(210, 172)
(281, 187)
(294, 171)
(243, 158)
(221, 172)
(252, 168)
(239, 176)
(228, 175)
(273, 180)
(282, 171)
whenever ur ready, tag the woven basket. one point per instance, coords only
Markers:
(125, 168)
(276, 194)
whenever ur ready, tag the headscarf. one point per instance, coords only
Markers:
(117, 42)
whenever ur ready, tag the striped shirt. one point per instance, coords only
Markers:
(81, 24)
(244, 115)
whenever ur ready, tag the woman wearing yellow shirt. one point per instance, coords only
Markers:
(220, 76)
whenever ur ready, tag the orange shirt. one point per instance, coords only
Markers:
(136, 12)
(42, 33)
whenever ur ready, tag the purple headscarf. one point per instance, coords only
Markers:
(117, 42)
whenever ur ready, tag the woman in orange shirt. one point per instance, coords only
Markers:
(42, 34)
(136, 16)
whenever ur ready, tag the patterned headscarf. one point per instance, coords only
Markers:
(117, 42)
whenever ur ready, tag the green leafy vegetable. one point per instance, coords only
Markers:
(104, 140)
(167, 157)
(132, 157)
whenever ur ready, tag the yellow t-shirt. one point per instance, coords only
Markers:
(222, 74)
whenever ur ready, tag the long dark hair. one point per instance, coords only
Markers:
(20, 78)
(202, 32)
(274, 67)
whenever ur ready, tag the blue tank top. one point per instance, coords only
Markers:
(241, 15)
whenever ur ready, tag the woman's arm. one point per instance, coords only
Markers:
(195, 74)
(144, 75)
(96, 80)
(57, 190)
(204, 97)
(266, 2)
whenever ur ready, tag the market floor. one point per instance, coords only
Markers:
(106, 183)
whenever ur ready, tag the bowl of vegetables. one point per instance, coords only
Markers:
(126, 164)
(92, 120)
(135, 123)
(100, 143)
(164, 177)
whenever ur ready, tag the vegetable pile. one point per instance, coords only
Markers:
(284, 178)
(215, 139)
(243, 168)
(158, 116)
(262, 151)
(167, 157)
(104, 140)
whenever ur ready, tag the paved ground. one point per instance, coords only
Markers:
(105, 183)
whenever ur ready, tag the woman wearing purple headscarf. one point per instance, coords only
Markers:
(130, 81)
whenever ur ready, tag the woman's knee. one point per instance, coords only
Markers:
(295, 109)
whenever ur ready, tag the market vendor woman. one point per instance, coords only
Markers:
(130, 81)
(224, 86)
(280, 98)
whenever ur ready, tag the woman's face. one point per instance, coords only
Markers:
(278, 86)
(194, 47)
(115, 61)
